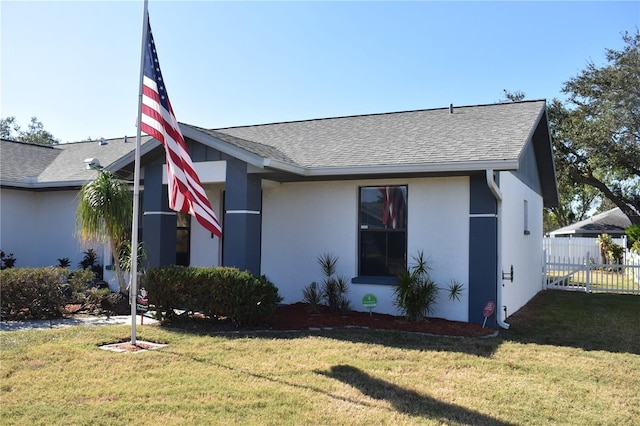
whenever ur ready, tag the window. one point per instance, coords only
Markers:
(383, 230)
(183, 239)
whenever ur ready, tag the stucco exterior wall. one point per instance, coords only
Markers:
(205, 250)
(39, 228)
(522, 251)
(303, 220)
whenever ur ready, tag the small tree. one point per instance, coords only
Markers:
(104, 214)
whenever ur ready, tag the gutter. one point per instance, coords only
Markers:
(495, 190)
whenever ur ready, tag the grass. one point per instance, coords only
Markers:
(600, 279)
(569, 358)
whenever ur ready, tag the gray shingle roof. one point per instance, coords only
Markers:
(20, 161)
(57, 165)
(612, 221)
(475, 133)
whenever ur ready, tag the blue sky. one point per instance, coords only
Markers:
(75, 65)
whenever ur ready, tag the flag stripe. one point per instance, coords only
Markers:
(186, 193)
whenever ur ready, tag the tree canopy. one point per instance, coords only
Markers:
(35, 133)
(596, 135)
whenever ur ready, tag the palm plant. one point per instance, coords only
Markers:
(416, 293)
(334, 288)
(104, 214)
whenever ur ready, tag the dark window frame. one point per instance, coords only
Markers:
(183, 258)
(373, 234)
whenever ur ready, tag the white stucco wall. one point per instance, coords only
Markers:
(205, 251)
(522, 251)
(300, 221)
(39, 227)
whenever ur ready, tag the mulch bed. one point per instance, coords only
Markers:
(298, 316)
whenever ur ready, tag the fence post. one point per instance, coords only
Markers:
(588, 274)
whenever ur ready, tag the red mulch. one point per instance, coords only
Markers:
(298, 316)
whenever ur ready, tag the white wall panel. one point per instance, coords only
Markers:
(304, 220)
(39, 228)
(522, 251)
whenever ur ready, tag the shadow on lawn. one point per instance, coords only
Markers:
(407, 401)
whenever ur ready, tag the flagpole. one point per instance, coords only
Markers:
(133, 287)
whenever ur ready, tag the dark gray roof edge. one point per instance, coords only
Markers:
(37, 145)
(378, 114)
(43, 185)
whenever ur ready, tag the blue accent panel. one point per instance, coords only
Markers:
(528, 169)
(482, 267)
(482, 200)
(159, 230)
(242, 231)
(200, 152)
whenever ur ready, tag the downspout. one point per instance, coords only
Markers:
(491, 183)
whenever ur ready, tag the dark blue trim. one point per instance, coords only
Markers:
(483, 250)
(159, 231)
(241, 241)
(374, 280)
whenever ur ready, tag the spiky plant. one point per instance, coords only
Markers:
(416, 293)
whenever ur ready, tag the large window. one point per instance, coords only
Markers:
(383, 230)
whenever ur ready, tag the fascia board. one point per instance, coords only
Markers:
(130, 157)
(224, 147)
(454, 167)
(44, 185)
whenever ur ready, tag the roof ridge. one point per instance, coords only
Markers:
(52, 146)
(373, 114)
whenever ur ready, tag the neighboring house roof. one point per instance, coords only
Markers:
(32, 166)
(613, 222)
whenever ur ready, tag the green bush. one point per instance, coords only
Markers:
(216, 292)
(416, 293)
(33, 292)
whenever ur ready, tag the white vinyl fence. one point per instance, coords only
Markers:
(576, 264)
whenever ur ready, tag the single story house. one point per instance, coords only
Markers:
(466, 185)
(613, 222)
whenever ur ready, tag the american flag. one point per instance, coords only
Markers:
(393, 207)
(186, 193)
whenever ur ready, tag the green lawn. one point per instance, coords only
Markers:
(569, 358)
(601, 280)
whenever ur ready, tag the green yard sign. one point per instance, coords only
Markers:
(369, 301)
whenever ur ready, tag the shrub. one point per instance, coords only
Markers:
(312, 297)
(216, 292)
(90, 261)
(7, 261)
(416, 293)
(33, 292)
(334, 288)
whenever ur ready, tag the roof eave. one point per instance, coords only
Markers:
(222, 146)
(445, 167)
(44, 185)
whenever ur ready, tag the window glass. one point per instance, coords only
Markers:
(183, 239)
(383, 237)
